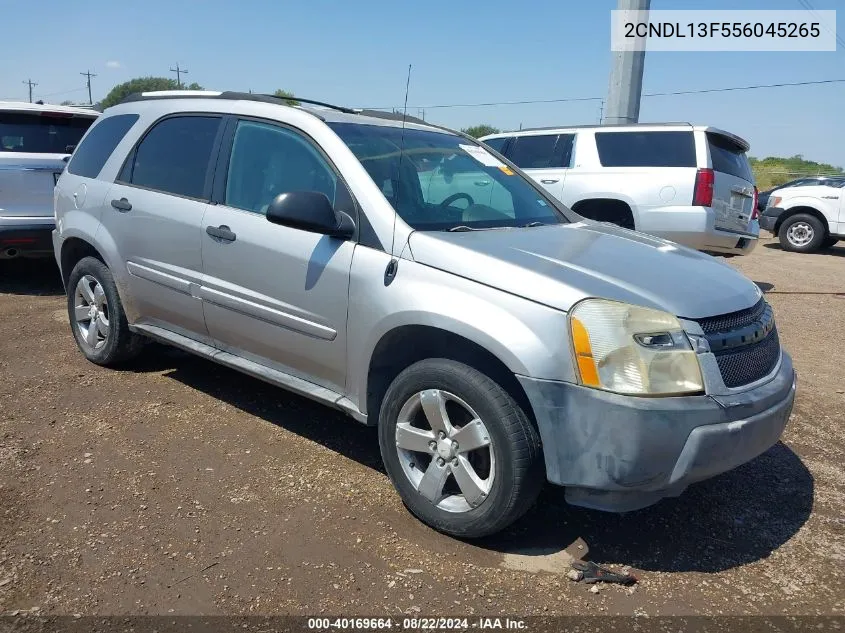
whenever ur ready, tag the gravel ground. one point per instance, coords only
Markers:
(178, 486)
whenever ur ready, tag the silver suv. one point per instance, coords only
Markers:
(35, 142)
(689, 184)
(496, 339)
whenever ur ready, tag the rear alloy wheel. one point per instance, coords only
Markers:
(96, 315)
(462, 454)
(801, 233)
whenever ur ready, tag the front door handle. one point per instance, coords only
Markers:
(123, 205)
(549, 181)
(482, 183)
(221, 232)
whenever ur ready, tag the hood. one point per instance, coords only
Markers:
(558, 265)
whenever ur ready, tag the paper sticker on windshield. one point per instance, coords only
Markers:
(482, 156)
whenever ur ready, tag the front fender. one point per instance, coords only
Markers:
(528, 338)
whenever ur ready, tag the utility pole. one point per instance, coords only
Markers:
(179, 72)
(626, 76)
(31, 84)
(89, 74)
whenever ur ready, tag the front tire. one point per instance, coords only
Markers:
(460, 451)
(801, 233)
(97, 319)
(830, 242)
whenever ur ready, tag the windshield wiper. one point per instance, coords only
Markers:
(461, 227)
(530, 224)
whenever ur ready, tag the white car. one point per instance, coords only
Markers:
(689, 184)
(806, 219)
(35, 142)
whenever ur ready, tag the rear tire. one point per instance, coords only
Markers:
(830, 242)
(801, 233)
(459, 490)
(97, 319)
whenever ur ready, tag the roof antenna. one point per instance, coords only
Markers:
(393, 264)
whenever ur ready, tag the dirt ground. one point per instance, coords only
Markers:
(178, 486)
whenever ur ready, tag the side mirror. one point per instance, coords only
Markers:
(310, 211)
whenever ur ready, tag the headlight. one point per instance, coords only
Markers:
(633, 350)
(772, 202)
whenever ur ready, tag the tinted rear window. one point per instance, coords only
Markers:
(94, 151)
(534, 152)
(728, 157)
(497, 144)
(646, 149)
(38, 133)
(175, 154)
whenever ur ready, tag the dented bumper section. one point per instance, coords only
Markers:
(620, 453)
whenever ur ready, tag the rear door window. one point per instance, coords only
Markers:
(728, 157)
(95, 149)
(497, 144)
(534, 152)
(174, 156)
(41, 132)
(646, 149)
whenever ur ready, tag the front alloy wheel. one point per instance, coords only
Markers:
(463, 455)
(444, 449)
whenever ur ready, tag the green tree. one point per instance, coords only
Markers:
(477, 131)
(287, 96)
(141, 84)
(773, 170)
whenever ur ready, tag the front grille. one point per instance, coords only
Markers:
(746, 364)
(733, 320)
(745, 343)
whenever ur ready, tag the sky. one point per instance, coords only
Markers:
(462, 51)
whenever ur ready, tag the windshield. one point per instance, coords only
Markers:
(42, 133)
(445, 182)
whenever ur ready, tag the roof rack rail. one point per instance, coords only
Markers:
(598, 125)
(285, 100)
(229, 94)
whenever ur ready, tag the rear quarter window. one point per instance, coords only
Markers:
(646, 149)
(95, 149)
(729, 158)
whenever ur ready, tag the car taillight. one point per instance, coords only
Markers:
(755, 212)
(703, 194)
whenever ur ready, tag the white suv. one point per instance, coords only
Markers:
(36, 141)
(687, 183)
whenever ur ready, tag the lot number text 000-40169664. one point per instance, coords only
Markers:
(709, 30)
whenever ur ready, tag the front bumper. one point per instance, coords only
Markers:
(621, 453)
(30, 238)
(770, 218)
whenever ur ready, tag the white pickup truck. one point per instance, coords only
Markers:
(806, 219)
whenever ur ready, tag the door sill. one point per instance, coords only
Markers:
(256, 370)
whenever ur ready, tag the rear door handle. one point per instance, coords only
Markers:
(549, 181)
(122, 205)
(221, 232)
(482, 183)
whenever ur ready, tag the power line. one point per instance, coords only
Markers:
(30, 83)
(649, 94)
(89, 74)
(179, 72)
(809, 6)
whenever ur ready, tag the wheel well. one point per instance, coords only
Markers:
(404, 346)
(795, 211)
(73, 250)
(606, 210)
